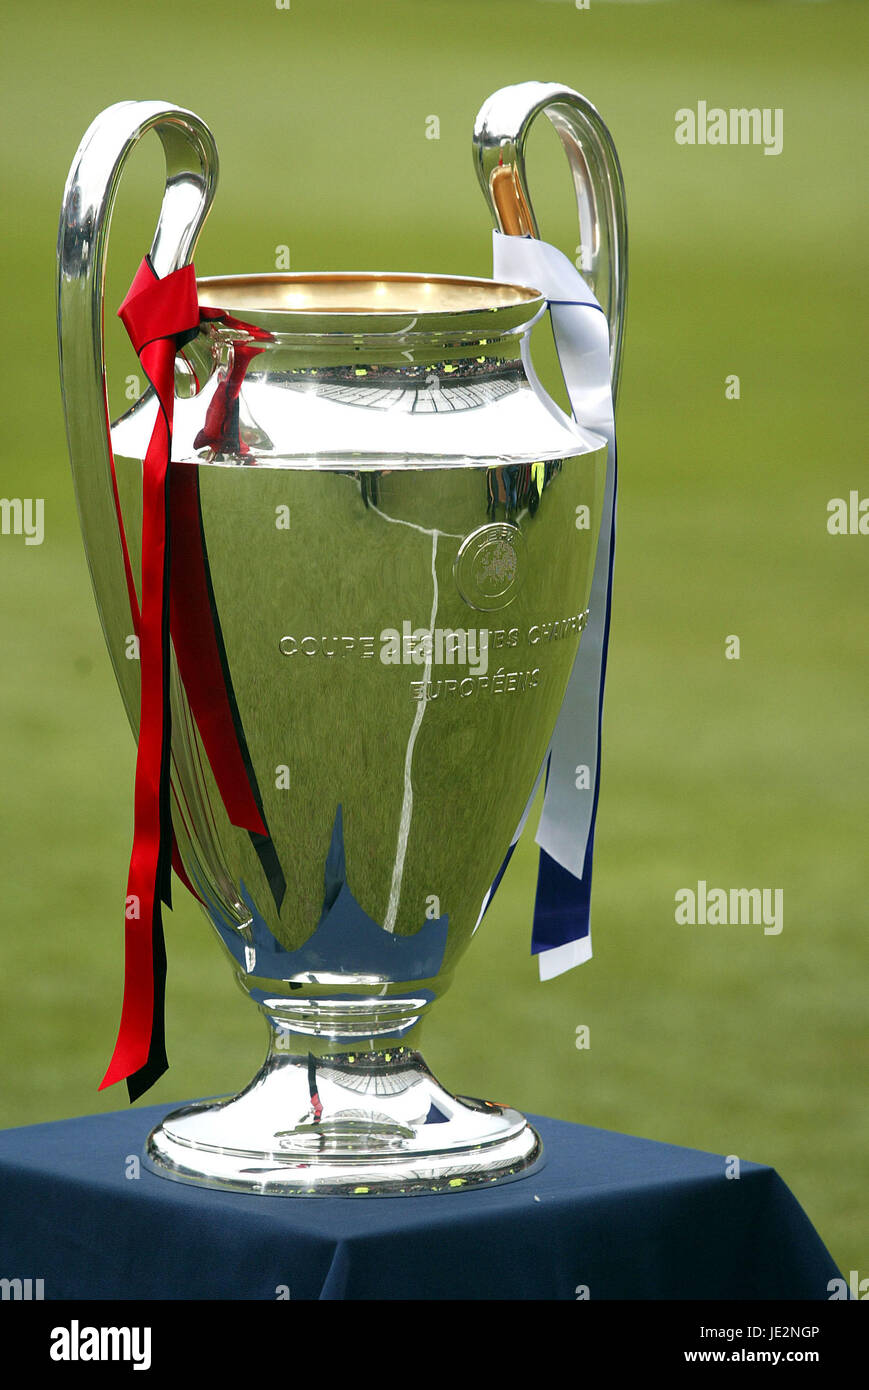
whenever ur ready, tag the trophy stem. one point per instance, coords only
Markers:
(370, 1120)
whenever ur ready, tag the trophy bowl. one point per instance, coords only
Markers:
(378, 588)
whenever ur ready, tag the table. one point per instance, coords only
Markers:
(607, 1216)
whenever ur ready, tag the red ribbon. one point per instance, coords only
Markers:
(159, 316)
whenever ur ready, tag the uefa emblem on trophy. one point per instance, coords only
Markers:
(367, 563)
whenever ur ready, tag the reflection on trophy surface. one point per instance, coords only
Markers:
(378, 588)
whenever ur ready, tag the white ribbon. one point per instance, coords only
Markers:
(582, 342)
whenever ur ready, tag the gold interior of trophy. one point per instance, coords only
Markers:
(356, 293)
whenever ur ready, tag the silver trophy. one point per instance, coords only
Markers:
(383, 515)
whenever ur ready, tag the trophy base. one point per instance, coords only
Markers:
(367, 1124)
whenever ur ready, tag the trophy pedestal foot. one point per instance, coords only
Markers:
(362, 1124)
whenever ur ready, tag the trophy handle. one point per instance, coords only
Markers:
(500, 132)
(85, 218)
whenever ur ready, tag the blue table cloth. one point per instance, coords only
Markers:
(620, 1217)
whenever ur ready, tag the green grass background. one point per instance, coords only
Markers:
(744, 773)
